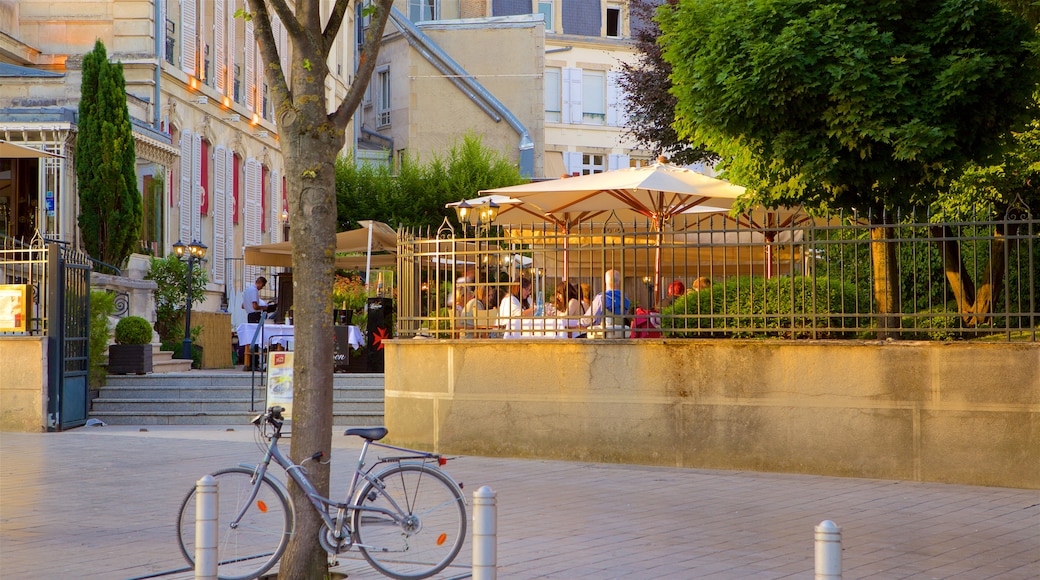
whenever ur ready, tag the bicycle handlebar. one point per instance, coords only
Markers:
(272, 416)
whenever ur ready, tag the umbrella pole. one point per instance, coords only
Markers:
(657, 268)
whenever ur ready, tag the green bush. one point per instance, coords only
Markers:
(102, 305)
(756, 307)
(936, 324)
(133, 330)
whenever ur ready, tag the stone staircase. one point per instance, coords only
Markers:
(222, 398)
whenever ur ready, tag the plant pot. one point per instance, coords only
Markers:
(129, 359)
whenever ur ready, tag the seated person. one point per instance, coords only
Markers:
(568, 306)
(512, 307)
(475, 315)
(608, 307)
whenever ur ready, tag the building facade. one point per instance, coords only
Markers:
(209, 161)
(536, 80)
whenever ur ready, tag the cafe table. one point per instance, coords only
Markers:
(283, 335)
(537, 327)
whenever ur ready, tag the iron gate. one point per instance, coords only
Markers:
(68, 337)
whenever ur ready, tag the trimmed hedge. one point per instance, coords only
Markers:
(756, 307)
(133, 330)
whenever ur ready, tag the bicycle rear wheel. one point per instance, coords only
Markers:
(251, 547)
(427, 527)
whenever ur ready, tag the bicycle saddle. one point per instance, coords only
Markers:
(370, 433)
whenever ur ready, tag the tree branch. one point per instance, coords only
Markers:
(366, 63)
(328, 36)
(268, 45)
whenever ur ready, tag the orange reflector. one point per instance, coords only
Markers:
(441, 539)
(260, 505)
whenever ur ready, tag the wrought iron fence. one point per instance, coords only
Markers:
(778, 274)
(26, 263)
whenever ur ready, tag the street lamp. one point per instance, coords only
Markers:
(193, 252)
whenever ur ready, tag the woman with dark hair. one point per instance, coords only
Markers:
(512, 306)
(568, 307)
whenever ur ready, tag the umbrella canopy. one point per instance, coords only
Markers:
(10, 150)
(383, 239)
(657, 192)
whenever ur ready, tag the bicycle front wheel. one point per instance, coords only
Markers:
(411, 522)
(247, 548)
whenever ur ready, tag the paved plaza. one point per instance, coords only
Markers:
(100, 503)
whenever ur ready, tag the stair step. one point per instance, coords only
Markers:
(222, 397)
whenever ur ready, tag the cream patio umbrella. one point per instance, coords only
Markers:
(657, 192)
(372, 237)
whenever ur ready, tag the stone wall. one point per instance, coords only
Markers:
(918, 411)
(23, 383)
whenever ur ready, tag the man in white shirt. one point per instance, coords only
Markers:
(611, 300)
(251, 301)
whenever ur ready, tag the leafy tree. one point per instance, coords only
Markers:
(171, 295)
(865, 105)
(1005, 192)
(110, 205)
(647, 83)
(416, 195)
(311, 131)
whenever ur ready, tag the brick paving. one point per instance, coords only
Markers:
(100, 502)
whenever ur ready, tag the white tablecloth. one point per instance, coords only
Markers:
(547, 327)
(282, 334)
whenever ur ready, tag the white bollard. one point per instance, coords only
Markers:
(485, 531)
(206, 528)
(828, 551)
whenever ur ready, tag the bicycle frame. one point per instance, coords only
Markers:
(320, 503)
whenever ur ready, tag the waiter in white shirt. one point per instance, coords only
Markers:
(251, 301)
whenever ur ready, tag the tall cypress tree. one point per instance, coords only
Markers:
(110, 206)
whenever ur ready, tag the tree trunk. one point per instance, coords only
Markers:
(960, 281)
(975, 305)
(886, 280)
(313, 218)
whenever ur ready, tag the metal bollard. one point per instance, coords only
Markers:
(485, 531)
(828, 551)
(206, 528)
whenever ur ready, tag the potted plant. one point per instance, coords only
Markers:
(132, 352)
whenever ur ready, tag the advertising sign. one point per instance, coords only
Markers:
(280, 380)
(14, 307)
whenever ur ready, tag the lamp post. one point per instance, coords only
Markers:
(481, 217)
(193, 252)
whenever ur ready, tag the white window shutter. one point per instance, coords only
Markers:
(249, 77)
(615, 115)
(231, 47)
(219, 214)
(572, 161)
(259, 68)
(571, 86)
(185, 189)
(189, 39)
(203, 36)
(229, 210)
(617, 162)
(196, 198)
(276, 208)
(252, 213)
(219, 63)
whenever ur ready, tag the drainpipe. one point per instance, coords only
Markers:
(465, 83)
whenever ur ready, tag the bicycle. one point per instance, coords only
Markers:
(408, 520)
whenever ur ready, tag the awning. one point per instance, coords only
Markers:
(384, 239)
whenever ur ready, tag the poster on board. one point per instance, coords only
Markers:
(14, 307)
(280, 381)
